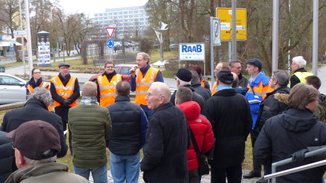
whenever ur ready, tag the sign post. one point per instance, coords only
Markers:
(110, 43)
(215, 41)
(192, 52)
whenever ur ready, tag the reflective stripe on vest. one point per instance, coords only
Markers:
(143, 84)
(107, 89)
(302, 76)
(64, 91)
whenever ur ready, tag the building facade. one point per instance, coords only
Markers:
(129, 21)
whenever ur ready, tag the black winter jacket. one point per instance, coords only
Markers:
(165, 157)
(7, 157)
(34, 110)
(286, 133)
(230, 117)
(204, 92)
(272, 105)
(195, 97)
(126, 136)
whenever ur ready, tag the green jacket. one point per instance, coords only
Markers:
(89, 126)
(45, 172)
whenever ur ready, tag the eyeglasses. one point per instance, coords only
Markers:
(37, 72)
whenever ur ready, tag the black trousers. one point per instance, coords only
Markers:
(254, 134)
(232, 174)
(63, 113)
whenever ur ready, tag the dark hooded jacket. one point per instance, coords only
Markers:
(286, 133)
(34, 110)
(7, 157)
(272, 105)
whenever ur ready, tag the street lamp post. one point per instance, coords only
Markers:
(159, 32)
(29, 38)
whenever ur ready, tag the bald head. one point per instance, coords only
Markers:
(163, 90)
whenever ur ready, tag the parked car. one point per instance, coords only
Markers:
(122, 69)
(12, 89)
(174, 46)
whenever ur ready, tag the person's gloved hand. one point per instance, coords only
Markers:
(66, 102)
(299, 155)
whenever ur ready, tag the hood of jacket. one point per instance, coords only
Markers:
(191, 110)
(296, 120)
(36, 170)
(35, 103)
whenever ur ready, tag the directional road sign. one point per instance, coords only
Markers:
(110, 43)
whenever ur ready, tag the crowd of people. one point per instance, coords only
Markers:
(283, 114)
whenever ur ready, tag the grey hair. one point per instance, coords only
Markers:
(300, 61)
(195, 77)
(145, 56)
(282, 77)
(162, 89)
(42, 94)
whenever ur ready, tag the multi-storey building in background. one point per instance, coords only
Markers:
(129, 21)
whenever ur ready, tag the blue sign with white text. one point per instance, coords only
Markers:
(110, 43)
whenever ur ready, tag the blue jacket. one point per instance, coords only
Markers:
(257, 90)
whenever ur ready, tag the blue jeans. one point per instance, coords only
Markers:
(125, 168)
(100, 174)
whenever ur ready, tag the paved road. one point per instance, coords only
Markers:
(84, 77)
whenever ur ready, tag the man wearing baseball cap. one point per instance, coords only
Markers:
(36, 144)
(258, 87)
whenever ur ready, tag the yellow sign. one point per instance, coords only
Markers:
(225, 15)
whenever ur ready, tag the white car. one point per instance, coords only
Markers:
(12, 89)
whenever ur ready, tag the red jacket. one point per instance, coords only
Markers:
(202, 130)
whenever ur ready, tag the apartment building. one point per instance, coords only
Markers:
(129, 21)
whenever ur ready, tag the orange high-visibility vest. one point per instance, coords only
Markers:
(214, 88)
(64, 91)
(203, 83)
(42, 85)
(260, 90)
(108, 91)
(143, 84)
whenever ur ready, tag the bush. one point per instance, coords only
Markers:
(145, 46)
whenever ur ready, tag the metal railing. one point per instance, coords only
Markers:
(313, 153)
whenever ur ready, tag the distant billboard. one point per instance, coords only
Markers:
(192, 51)
(43, 47)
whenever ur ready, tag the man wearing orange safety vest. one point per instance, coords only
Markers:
(258, 87)
(142, 78)
(65, 92)
(106, 85)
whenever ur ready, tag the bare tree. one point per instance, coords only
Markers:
(9, 16)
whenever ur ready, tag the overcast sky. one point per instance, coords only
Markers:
(96, 6)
